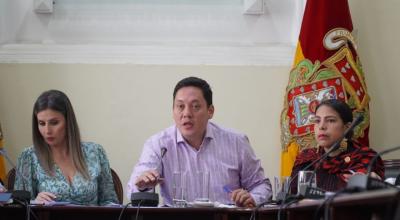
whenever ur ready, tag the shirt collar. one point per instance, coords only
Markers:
(209, 134)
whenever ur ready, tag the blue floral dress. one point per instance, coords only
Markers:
(98, 190)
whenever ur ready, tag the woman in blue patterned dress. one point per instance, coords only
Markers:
(59, 166)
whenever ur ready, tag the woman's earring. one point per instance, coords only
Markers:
(343, 144)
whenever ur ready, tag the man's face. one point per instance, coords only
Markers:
(191, 114)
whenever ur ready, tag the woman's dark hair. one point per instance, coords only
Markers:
(196, 82)
(341, 108)
(58, 101)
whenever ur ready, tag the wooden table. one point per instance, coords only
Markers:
(381, 204)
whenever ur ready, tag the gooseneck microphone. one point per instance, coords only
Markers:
(19, 195)
(362, 182)
(149, 198)
(161, 165)
(283, 196)
(163, 151)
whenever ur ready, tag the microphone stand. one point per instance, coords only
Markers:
(149, 198)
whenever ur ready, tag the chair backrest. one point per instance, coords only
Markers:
(10, 179)
(117, 183)
(118, 186)
(392, 168)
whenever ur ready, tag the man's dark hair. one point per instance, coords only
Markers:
(196, 82)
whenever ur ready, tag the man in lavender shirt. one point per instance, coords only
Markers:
(193, 145)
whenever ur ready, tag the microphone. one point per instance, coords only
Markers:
(163, 152)
(362, 182)
(316, 192)
(149, 198)
(19, 195)
(160, 165)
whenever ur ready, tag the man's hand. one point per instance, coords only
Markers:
(242, 198)
(148, 179)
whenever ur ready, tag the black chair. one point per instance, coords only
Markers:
(10, 179)
(116, 180)
(118, 186)
(392, 168)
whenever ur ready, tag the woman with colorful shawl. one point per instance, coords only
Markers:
(332, 118)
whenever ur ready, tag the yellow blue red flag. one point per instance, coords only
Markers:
(2, 164)
(326, 66)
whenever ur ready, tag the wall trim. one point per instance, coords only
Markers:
(270, 55)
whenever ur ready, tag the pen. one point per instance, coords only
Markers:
(227, 189)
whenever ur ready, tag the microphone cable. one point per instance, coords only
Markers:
(28, 209)
(126, 206)
(284, 205)
(255, 210)
(326, 203)
(123, 210)
(137, 210)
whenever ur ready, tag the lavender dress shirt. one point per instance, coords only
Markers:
(226, 155)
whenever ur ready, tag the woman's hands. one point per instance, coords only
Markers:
(2, 188)
(45, 197)
(372, 174)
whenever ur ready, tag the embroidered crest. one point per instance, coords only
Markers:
(339, 77)
(304, 99)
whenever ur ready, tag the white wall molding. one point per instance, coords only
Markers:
(214, 32)
(269, 55)
(43, 6)
(253, 7)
